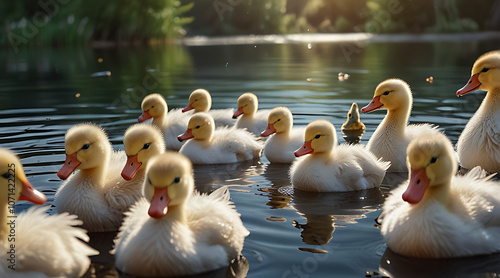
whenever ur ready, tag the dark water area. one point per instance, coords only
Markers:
(43, 92)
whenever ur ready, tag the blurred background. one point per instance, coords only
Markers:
(64, 22)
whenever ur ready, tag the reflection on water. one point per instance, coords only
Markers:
(44, 92)
(395, 265)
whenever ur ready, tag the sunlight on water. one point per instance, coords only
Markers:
(45, 92)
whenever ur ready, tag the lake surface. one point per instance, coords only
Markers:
(43, 92)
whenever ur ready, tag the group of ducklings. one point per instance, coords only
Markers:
(169, 229)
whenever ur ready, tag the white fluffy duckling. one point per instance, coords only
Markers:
(392, 136)
(141, 143)
(96, 193)
(280, 147)
(441, 215)
(201, 101)
(42, 245)
(185, 232)
(254, 120)
(479, 143)
(171, 123)
(217, 146)
(331, 167)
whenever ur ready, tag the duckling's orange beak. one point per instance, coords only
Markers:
(305, 149)
(131, 167)
(373, 105)
(69, 166)
(269, 130)
(238, 112)
(472, 85)
(416, 187)
(187, 135)
(29, 193)
(159, 204)
(145, 115)
(187, 108)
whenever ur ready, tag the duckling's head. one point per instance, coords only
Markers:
(199, 100)
(279, 120)
(391, 94)
(485, 74)
(247, 105)
(153, 105)
(320, 137)
(87, 146)
(431, 163)
(14, 186)
(141, 142)
(201, 126)
(169, 182)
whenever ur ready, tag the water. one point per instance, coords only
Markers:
(44, 92)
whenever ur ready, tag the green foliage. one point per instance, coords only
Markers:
(61, 22)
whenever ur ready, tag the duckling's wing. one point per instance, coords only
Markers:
(215, 221)
(52, 243)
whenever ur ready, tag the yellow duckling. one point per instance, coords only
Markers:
(141, 143)
(441, 215)
(96, 193)
(171, 123)
(42, 245)
(178, 231)
(353, 128)
(279, 148)
(252, 119)
(200, 100)
(479, 143)
(393, 134)
(217, 146)
(330, 167)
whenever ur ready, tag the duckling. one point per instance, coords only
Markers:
(279, 148)
(201, 101)
(252, 119)
(330, 167)
(441, 215)
(175, 122)
(353, 128)
(141, 143)
(217, 146)
(97, 193)
(479, 143)
(178, 231)
(43, 245)
(392, 136)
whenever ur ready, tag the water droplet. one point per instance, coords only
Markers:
(309, 46)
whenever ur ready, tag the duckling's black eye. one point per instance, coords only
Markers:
(350, 115)
(177, 179)
(386, 93)
(434, 159)
(317, 136)
(485, 69)
(278, 120)
(197, 126)
(146, 146)
(7, 175)
(152, 107)
(85, 146)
